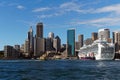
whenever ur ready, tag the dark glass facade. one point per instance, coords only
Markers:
(39, 30)
(71, 42)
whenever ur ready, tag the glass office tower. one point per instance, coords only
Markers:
(71, 42)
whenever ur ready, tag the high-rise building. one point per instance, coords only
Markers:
(49, 44)
(39, 30)
(26, 48)
(39, 41)
(71, 42)
(39, 47)
(94, 36)
(88, 41)
(31, 41)
(51, 35)
(10, 52)
(22, 48)
(79, 43)
(80, 40)
(57, 43)
(104, 34)
(17, 47)
(116, 41)
(17, 50)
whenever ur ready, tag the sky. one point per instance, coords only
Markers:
(86, 16)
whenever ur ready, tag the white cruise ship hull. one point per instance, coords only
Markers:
(102, 58)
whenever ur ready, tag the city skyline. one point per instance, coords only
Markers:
(57, 17)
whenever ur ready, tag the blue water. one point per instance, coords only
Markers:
(59, 70)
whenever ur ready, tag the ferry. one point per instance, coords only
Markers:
(98, 50)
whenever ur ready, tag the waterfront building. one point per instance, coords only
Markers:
(17, 50)
(104, 34)
(88, 41)
(39, 41)
(17, 47)
(31, 41)
(77, 45)
(116, 41)
(94, 36)
(22, 48)
(10, 52)
(80, 40)
(51, 35)
(57, 44)
(71, 42)
(26, 48)
(49, 44)
(39, 30)
(39, 47)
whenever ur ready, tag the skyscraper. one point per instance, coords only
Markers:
(71, 42)
(10, 52)
(79, 43)
(104, 34)
(26, 47)
(17, 47)
(49, 44)
(39, 47)
(31, 41)
(51, 35)
(39, 41)
(94, 36)
(116, 41)
(81, 40)
(57, 43)
(39, 30)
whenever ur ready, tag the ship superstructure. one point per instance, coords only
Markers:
(99, 49)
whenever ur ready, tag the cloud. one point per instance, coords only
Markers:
(112, 8)
(16, 5)
(50, 15)
(74, 6)
(112, 17)
(20, 7)
(71, 6)
(100, 22)
(45, 16)
(41, 9)
(60, 10)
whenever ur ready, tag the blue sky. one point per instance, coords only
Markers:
(86, 16)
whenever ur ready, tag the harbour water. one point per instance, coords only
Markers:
(59, 70)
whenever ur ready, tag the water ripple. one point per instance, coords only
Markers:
(59, 70)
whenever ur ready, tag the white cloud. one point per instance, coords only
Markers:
(71, 6)
(100, 22)
(41, 9)
(112, 8)
(45, 16)
(50, 15)
(112, 18)
(60, 10)
(20, 7)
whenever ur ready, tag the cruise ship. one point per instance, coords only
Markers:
(98, 50)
